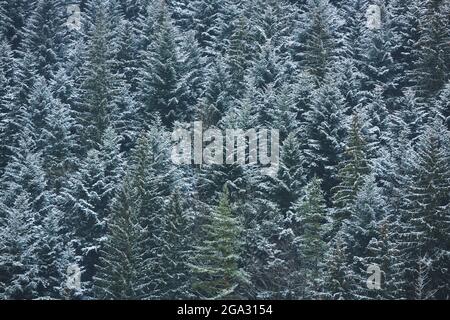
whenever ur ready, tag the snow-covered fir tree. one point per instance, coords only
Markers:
(359, 91)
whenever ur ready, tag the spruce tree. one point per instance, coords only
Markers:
(324, 134)
(59, 151)
(99, 84)
(351, 173)
(374, 116)
(43, 36)
(443, 104)
(160, 73)
(291, 177)
(16, 14)
(339, 279)
(369, 245)
(378, 65)
(176, 249)
(19, 261)
(56, 256)
(123, 269)
(309, 220)
(216, 261)
(192, 73)
(7, 105)
(237, 55)
(207, 22)
(427, 210)
(432, 51)
(317, 41)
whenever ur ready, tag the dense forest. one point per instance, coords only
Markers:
(91, 91)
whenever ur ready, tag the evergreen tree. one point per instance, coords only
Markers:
(443, 104)
(24, 173)
(350, 84)
(123, 269)
(427, 210)
(317, 41)
(378, 65)
(374, 115)
(99, 84)
(351, 173)
(161, 73)
(267, 68)
(409, 120)
(338, 279)
(216, 260)
(207, 20)
(308, 218)
(81, 200)
(217, 96)
(290, 177)
(192, 82)
(127, 55)
(56, 256)
(19, 262)
(237, 55)
(176, 273)
(151, 175)
(432, 50)
(272, 21)
(60, 144)
(7, 107)
(405, 26)
(16, 13)
(324, 134)
(43, 35)
(267, 253)
(6, 22)
(364, 231)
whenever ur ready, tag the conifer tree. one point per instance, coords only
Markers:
(16, 14)
(216, 99)
(174, 263)
(317, 41)
(408, 121)
(207, 21)
(43, 35)
(159, 90)
(19, 262)
(432, 51)
(365, 234)
(127, 54)
(56, 256)
(427, 210)
(324, 132)
(443, 104)
(99, 84)
(309, 220)
(374, 116)
(192, 73)
(405, 26)
(123, 269)
(378, 65)
(24, 173)
(81, 200)
(291, 176)
(7, 106)
(60, 144)
(216, 260)
(351, 173)
(267, 68)
(338, 279)
(237, 55)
